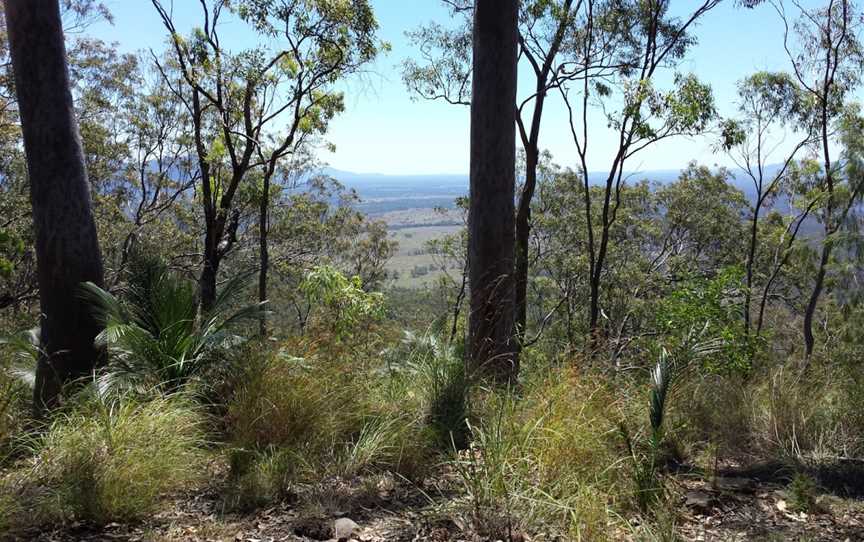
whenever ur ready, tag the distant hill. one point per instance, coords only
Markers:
(382, 193)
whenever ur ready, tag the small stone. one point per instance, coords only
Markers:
(698, 499)
(345, 528)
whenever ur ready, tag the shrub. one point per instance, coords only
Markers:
(437, 371)
(802, 494)
(109, 462)
(344, 306)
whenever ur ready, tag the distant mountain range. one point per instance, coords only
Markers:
(383, 193)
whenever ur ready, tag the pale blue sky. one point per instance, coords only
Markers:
(384, 131)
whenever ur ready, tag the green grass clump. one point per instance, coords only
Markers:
(548, 461)
(287, 403)
(18, 353)
(295, 421)
(802, 494)
(13, 398)
(108, 462)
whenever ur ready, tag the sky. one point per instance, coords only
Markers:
(384, 130)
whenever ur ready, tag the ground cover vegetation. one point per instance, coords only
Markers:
(622, 360)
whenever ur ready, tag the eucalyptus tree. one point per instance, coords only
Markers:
(827, 60)
(491, 215)
(314, 222)
(638, 113)
(689, 229)
(67, 247)
(247, 108)
(772, 106)
(443, 72)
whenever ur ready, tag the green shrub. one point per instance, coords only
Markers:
(437, 371)
(109, 462)
(802, 494)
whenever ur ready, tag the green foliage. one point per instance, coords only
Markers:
(802, 493)
(344, 305)
(710, 311)
(774, 414)
(105, 462)
(310, 418)
(440, 371)
(549, 458)
(11, 247)
(155, 336)
(17, 362)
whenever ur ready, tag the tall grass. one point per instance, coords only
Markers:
(548, 460)
(299, 421)
(18, 356)
(105, 462)
(776, 415)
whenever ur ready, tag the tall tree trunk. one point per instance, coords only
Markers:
(751, 260)
(210, 270)
(810, 311)
(219, 238)
(67, 249)
(264, 253)
(491, 217)
(523, 236)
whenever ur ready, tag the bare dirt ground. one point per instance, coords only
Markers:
(738, 505)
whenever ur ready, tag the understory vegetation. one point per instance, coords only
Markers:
(573, 451)
(593, 356)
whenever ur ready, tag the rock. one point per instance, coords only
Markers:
(698, 499)
(345, 528)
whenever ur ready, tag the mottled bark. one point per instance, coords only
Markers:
(491, 217)
(67, 249)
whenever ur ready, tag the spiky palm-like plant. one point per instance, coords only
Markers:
(155, 335)
(667, 373)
